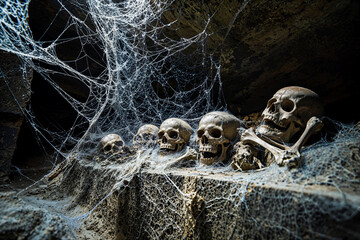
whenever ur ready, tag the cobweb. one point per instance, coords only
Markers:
(147, 77)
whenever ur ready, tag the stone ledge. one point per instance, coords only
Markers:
(205, 204)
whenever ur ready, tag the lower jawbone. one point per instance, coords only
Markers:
(210, 155)
(276, 131)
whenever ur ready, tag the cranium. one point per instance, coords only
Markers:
(173, 135)
(111, 144)
(146, 136)
(288, 111)
(215, 134)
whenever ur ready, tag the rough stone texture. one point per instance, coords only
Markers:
(130, 197)
(269, 212)
(19, 220)
(273, 44)
(14, 76)
(94, 186)
(190, 204)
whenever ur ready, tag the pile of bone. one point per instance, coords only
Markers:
(291, 116)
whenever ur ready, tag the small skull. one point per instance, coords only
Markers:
(216, 132)
(173, 135)
(245, 157)
(288, 111)
(111, 144)
(146, 136)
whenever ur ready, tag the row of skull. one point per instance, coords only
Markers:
(286, 114)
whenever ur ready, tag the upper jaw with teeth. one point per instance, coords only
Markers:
(209, 153)
(276, 124)
(166, 147)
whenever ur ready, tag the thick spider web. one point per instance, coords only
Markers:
(138, 60)
(148, 78)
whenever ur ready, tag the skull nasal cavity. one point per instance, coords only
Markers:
(204, 140)
(272, 108)
(164, 139)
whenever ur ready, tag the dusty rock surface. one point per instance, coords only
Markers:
(21, 220)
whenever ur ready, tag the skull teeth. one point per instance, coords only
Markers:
(270, 128)
(167, 146)
(209, 148)
(209, 153)
(274, 121)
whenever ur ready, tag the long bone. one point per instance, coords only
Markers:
(284, 155)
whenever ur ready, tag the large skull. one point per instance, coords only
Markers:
(146, 136)
(173, 135)
(215, 134)
(288, 111)
(111, 144)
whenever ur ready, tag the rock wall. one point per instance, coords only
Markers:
(15, 91)
(191, 204)
(266, 45)
(262, 46)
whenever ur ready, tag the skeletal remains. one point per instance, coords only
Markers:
(146, 137)
(289, 111)
(216, 132)
(173, 135)
(292, 113)
(112, 144)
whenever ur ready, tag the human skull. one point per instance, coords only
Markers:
(111, 144)
(173, 135)
(245, 157)
(288, 111)
(146, 136)
(215, 134)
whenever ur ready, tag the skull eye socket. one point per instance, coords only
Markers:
(119, 143)
(200, 133)
(107, 148)
(173, 134)
(148, 136)
(287, 105)
(215, 133)
(160, 135)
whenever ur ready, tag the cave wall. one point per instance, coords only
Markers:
(273, 44)
(262, 46)
(15, 91)
(314, 44)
